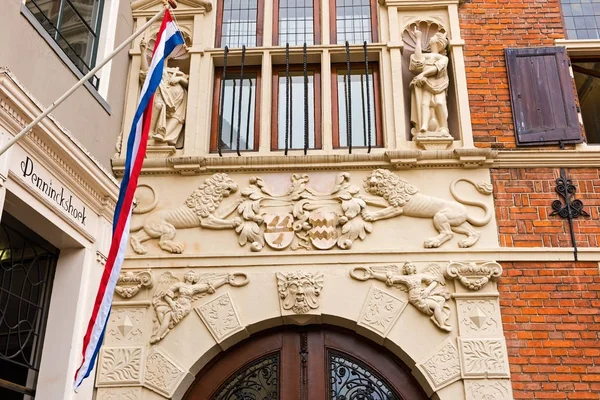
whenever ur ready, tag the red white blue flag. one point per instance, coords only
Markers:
(168, 39)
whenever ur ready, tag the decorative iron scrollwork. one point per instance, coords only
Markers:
(352, 380)
(258, 381)
(572, 208)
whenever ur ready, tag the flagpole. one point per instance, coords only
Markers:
(87, 76)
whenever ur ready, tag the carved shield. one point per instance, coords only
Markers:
(323, 233)
(279, 232)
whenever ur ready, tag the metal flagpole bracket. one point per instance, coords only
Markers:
(572, 208)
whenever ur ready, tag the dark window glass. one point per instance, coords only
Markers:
(582, 19)
(296, 112)
(353, 21)
(238, 116)
(587, 79)
(27, 265)
(74, 25)
(359, 108)
(296, 22)
(239, 23)
(259, 380)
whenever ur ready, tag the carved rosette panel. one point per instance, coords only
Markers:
(443, 367)
(162, 375)
(120, 365)
(488, 390)
(220, 317)
(479, 317)
(380, 311)
(127, 393)
(126, 326)
(483, 358)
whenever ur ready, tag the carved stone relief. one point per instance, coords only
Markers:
(479, 317)
(126, 393)
(488, 390)
(299, 291)
(402, 198)
(130, 283)
(198, 211)
(220, 317)
(126, 326)
(173, 298)
(380, 311)
(162, 375)
(483, 358)
(426, 290)
(120, 365)
(443, 367)
(474, 276)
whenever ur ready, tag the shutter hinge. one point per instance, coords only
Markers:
(578, 109)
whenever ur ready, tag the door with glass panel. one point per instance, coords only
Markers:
(306, 363)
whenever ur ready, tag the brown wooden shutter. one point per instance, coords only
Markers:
(542, 96)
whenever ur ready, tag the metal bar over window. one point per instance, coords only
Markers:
(222, 104)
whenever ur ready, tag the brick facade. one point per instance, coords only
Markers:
(551, 318)
(523, 199)
(488, 27)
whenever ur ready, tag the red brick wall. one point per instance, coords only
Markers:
(551, 318)
(523, 199)
(488, 27)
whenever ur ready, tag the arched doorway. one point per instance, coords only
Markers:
(309, 363)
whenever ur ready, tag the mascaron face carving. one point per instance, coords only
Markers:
(299, 290)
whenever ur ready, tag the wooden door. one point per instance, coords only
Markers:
(306, 364)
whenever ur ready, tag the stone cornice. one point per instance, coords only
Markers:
(590, 157)
(146, 8)
(417, 4)
(54, 143)
(580, 47)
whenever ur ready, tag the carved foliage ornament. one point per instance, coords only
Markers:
(162, 375)
(120, 365)
(442, 368)
(299, 291)
(426, 290)
(473, 275)
(173, 298)
(130, 283)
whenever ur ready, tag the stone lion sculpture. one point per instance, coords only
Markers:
(402, 198)
(198, 211)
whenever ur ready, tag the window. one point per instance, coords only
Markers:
(27, 265)
(542, 98)
(582, 19)
(296, 22)
(297, 133)
(364, 105)
(75, 27)
(236, 110)
(587, 80)
(239, 22)
(353, 21)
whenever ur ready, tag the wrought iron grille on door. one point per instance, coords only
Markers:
(27, 265)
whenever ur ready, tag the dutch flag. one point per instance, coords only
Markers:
(168, 39)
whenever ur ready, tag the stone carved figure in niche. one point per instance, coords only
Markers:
(198, 211)
(402, 198)
(426, 290)
(170, 101)
(429, 108)
(299, 290)
(173, 298)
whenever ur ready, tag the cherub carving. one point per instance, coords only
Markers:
(198, 211)
(173, 298)
(402, 198)
(299, 290)
(426, 290)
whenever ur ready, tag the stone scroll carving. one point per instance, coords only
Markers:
(130, 283)
(199, 211)
(302, 217)
(380, 311)
(162, 375)
(426, 290)
(299, 291)
(402, 198)
(173, 298)
(443, 367)
(488, 389)
(474, 276)
(220, 317)
(170, 102)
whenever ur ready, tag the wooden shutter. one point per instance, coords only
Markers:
(542, 96)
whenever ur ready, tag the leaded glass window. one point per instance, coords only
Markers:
(75, 27)
(582, 19)
(353, 21)
(351, 379)
(257, 381)
(296, 23)
(240, 23)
